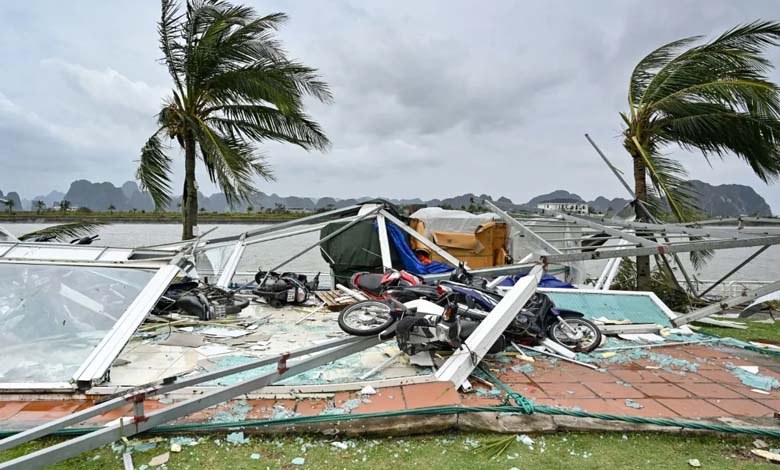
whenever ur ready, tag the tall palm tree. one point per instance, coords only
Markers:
(714, 97)
(233, 86)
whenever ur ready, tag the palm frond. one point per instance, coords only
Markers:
(714, 129)
(154, 171)
(173, 54)
(670, 183)
(734, 54)
(231, 163)
(262, 122)
(645, 71)
(64, 232)
(669, 179)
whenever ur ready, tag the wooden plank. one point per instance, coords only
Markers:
(334, 300)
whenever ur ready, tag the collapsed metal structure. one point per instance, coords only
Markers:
(594, 238)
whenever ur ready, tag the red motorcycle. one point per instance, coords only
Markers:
(376, 286)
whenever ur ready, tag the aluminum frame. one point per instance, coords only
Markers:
(464, 359)
(726, 303)
(166, 264)
(142, 422)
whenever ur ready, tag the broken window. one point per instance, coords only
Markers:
(53, 316)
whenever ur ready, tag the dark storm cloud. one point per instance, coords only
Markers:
(432, 98)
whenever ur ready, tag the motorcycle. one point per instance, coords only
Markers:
(537, 320)
(207, 302)
(285, 288)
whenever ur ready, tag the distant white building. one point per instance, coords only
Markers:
(569, 206)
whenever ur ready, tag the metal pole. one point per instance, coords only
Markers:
(612, 167)
(464, 359)
(666, 249)
(641, 205)
(77, 445)
(154, 390)
(421, 238)
(737, 268)
(284, 225)
(322, 240)
(726, 303)
(532, 237)
(293, 233)
(384, 243)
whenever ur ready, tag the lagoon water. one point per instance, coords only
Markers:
(266, 255)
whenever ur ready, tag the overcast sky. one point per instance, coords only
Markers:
(432, 98)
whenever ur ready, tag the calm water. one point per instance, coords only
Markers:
(268, 254)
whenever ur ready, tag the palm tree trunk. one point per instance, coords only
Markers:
(190, 194)
(640, 189)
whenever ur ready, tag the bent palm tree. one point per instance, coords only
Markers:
(714, 97)
(233, 85)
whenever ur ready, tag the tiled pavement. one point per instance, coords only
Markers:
(712, 391)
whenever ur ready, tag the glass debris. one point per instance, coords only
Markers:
(53, 316)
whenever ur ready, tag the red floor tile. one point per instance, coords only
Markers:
(311, 407)
(570, 375)
(649, 408)
(637, 376)
(511, 377)
(749, 393)
(593, 405)
(680, 377)
(773, 404)
(614, 390)
(552, 376)
(531, 391)
(44, 410)
(386, 399)
(720, 376)
(706, 352)
(475, 399)
(262, 408)
(692, 407)
(430, 394)
(10, 408)
(711, 390)
(742, 407)
(566, 390)
(664, 390)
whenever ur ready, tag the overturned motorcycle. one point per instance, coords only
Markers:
(465, 306)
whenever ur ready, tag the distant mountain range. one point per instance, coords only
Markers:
(725, 200)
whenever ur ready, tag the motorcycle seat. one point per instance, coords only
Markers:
(369, 282)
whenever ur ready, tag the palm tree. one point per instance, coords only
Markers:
(233, 86)
(64, 205)
(714, 97)
(39, 206)
(111, 208)
(9, 204)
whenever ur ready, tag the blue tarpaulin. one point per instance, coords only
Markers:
(548, 280)
(408, 258)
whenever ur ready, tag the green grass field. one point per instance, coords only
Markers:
(757, 331)
(442, 451)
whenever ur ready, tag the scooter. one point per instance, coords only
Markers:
(539, 319)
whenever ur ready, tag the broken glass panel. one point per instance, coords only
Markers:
(5, 236)
(53, 316)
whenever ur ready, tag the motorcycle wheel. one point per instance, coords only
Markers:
(366, 318)
(591, 335)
